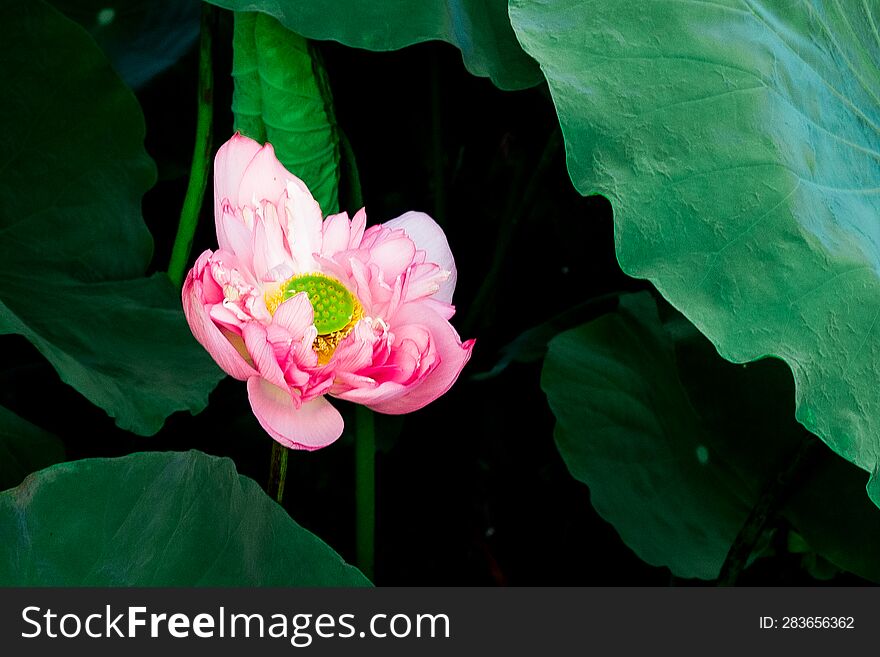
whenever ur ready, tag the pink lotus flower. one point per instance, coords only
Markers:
(302, 308)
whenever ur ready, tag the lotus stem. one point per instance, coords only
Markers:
(198, 176)
(365, 489)
(277, 472)
(766, 509)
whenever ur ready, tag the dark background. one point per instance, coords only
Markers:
(470, 490)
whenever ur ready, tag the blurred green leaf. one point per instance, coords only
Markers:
(677, 444)
(480, 29)
(750, 409)
(737, 142)
(625, 428)
(24, 448)
(157, 519)
(282, 96)
(141, 38)
(74, 249)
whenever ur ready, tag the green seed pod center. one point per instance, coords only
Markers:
(333, 304)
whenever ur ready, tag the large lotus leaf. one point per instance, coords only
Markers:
(24, 448)
(157, 519)
(282, 96)
(479, 28)
(677, 444)
(749, 409)
(74, 247)
(140, 37)
(738, 143)
(626, 428)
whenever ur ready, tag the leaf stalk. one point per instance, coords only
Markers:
(198, 177)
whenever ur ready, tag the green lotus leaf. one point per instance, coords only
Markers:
(480, 29)
(74, 250)
(738, 143)
(24, 448)
(677, 445)
(282, 96)
(157, 519)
